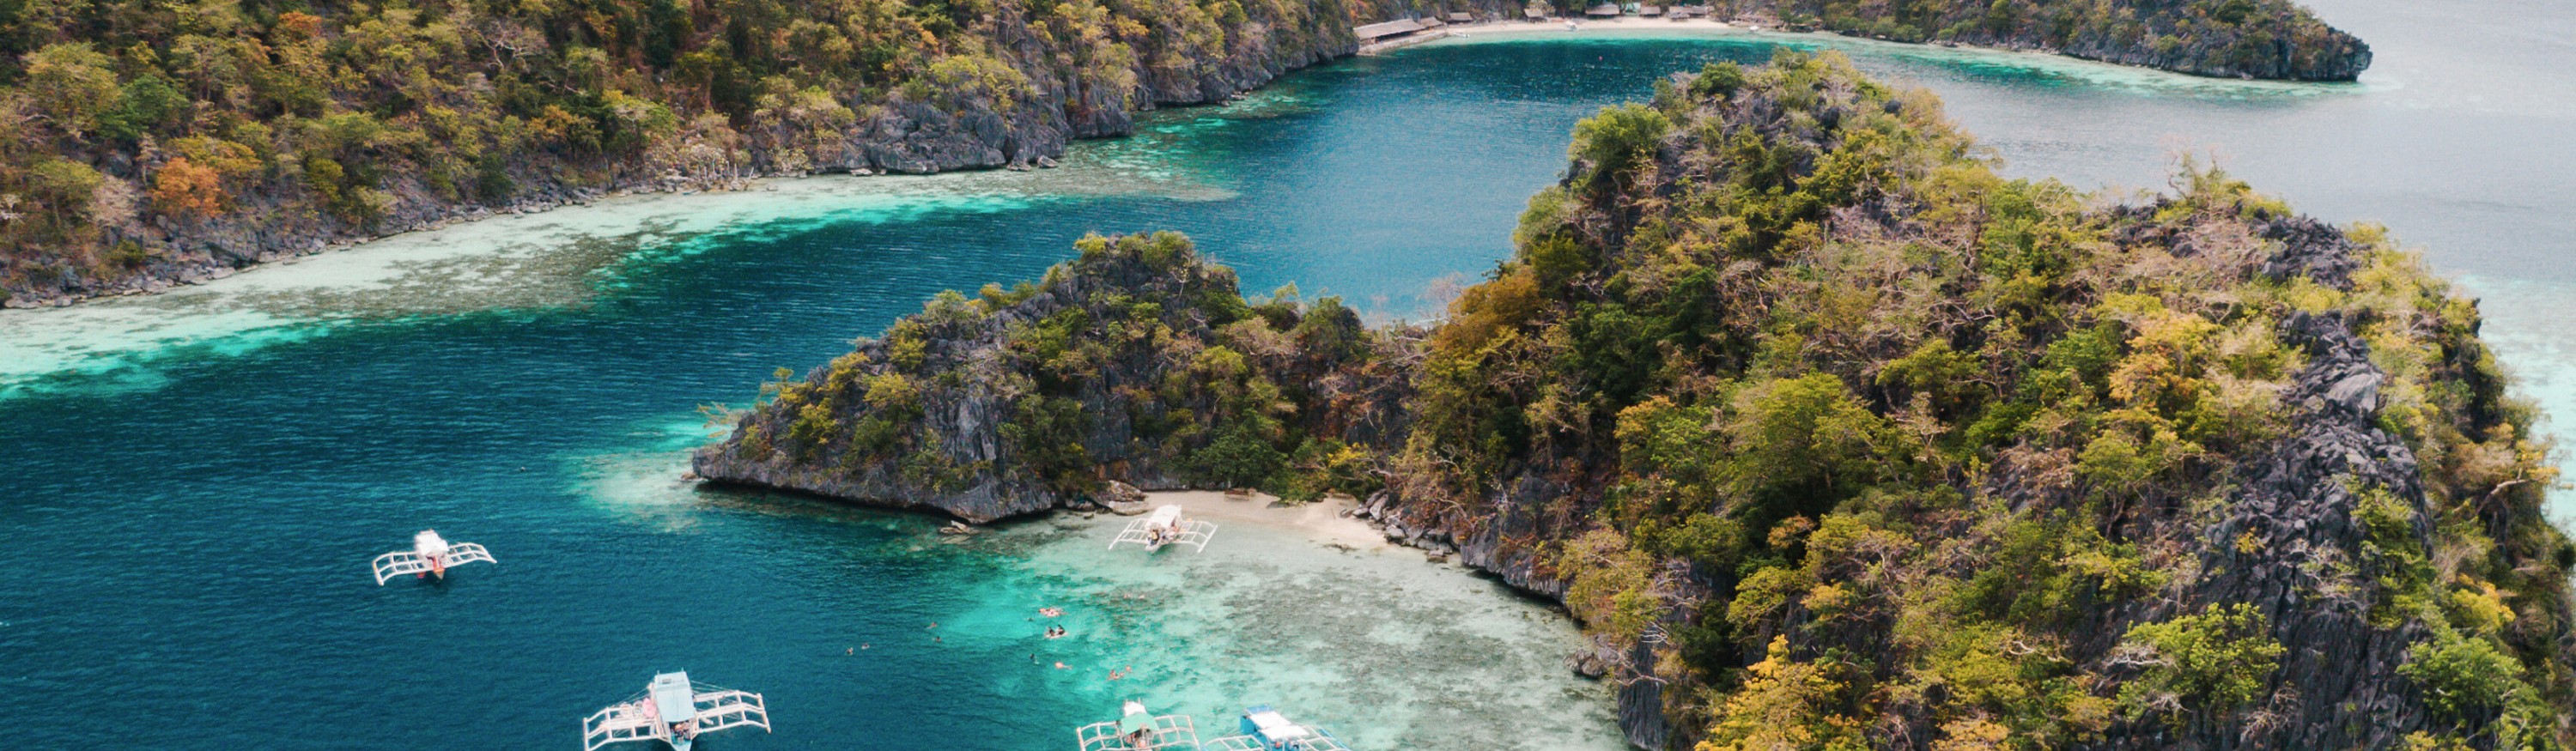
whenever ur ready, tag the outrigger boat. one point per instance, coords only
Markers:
(675, 711)
(1166, 527)
(1138, 730)
(429, 555)
(1264, 729)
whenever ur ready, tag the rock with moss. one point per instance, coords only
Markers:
(1832, 437)
(1839, 438)
(1135, 363)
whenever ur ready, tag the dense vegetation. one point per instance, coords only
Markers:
(2251, 38)
(1133, 361)
(1849, 442)
(1834, 438)
(143, 143)
(146, 141)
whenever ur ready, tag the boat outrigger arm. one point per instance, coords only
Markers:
(675, 711)
(429, 554)
(1166, 527)
(1139, 730)
(1252, 743)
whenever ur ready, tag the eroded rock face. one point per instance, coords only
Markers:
(2278, 543)
(2292, 526)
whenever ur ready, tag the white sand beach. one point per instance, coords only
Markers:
(1322, 520)
(1595, 25)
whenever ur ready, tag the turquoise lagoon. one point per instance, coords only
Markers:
(197, 478)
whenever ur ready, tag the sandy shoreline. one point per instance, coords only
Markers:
(1622, 23)
(1535, 28)
(1322, 520)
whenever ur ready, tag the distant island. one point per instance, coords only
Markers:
(144, 144)
(2268, 39)
(1830, 436)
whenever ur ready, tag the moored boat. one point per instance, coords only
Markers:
(1166, 527)
(1137, 729)
(1265, 729)
(429, 555)
(675, 711)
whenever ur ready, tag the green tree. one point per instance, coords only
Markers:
(1238, 458)
(2462, 674)
(146, 105)
(72, 85)
(2220, 659)
(64, 187)
(1617, 142)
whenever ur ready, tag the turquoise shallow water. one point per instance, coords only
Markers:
(192, 499)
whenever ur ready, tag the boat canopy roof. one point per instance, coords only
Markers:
(673, 698)
(1165, 515)
(1274, 726)
(1130, 724)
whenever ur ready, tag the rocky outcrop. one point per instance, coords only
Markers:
(919, 138)
(1940, 459)
(1132, 365)
(2332, 533)
(2296, 521)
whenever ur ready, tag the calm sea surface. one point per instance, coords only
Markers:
(197, 481)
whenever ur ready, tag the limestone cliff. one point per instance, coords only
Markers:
(1831, 437)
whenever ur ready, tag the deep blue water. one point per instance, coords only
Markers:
(182, 562)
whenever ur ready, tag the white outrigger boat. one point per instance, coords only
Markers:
(429, 554)
(675, 711)
(1138, 730)
(1166, 527)
(1264, 729)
